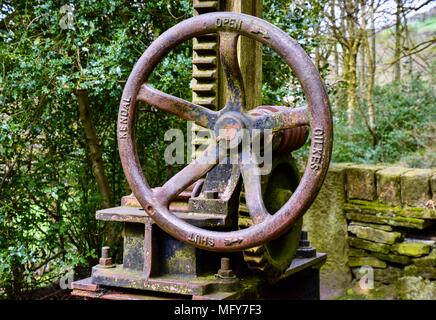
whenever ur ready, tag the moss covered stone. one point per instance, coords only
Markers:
(427, 261)
(381, 290)
(421, 271)
(394, 258)
(420, 213)
(380, 209)
(396, 221)
(412, 249)
(327, 228)
(353, 252)
(361, 181)
(369, 245)
(415, 187)
(373, 225)
(377, 213)
(366, 261)
(376, 235)
(388, 275)
(389, 185)
(416, 288)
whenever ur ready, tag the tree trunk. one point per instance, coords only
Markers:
(336, 58)
(362, 78)
(371, 71)
(94, 148)
(397, 50)
(354, 41)
(345, 76)
(370, 54)
(351, 86)
(337, 78)
(408, 39)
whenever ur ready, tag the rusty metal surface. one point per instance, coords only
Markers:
(86, 289)
(235, 95)
(178, 204)
(299, 264)
(290, 139)
(248, 288)
(316, 115)
(182, 108)
(85, 284)
(274, 257)
(138, 215)
(120, 277)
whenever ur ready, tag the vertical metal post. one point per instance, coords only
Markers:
(249, 53)
(208, 89)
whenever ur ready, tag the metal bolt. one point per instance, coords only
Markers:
(105, 252)
(105, 261)
(225, 272)
(225, 263)
(305, 250)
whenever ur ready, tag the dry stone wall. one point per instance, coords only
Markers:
(385, 218)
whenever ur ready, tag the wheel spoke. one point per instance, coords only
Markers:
(188, 175)
(253, 190)
(229, 61)
(182, 108)
(287, 119)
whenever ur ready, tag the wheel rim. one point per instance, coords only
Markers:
(319, 120)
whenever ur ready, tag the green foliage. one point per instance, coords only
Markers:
(280, 86)
(405, 128)
(48, 195)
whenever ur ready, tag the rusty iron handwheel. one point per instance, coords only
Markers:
(316, 115)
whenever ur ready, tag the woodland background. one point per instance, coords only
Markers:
(60, 91)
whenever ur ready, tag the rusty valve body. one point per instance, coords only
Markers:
(290, 125)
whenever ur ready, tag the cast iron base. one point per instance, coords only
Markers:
(299, 282)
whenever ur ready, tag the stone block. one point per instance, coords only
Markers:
(361, 181)
(416, 212)
(426, 261)
(389, 185)
(372, 225)
(376, 235)
(366, 261)
(394, 258)
(412, 249)
(353, 252)
(369, 245)
(419, 271)
(396, 221)
(380, 209)
(415, 187)
(416, 288)
(388, 275)
(327, 228)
